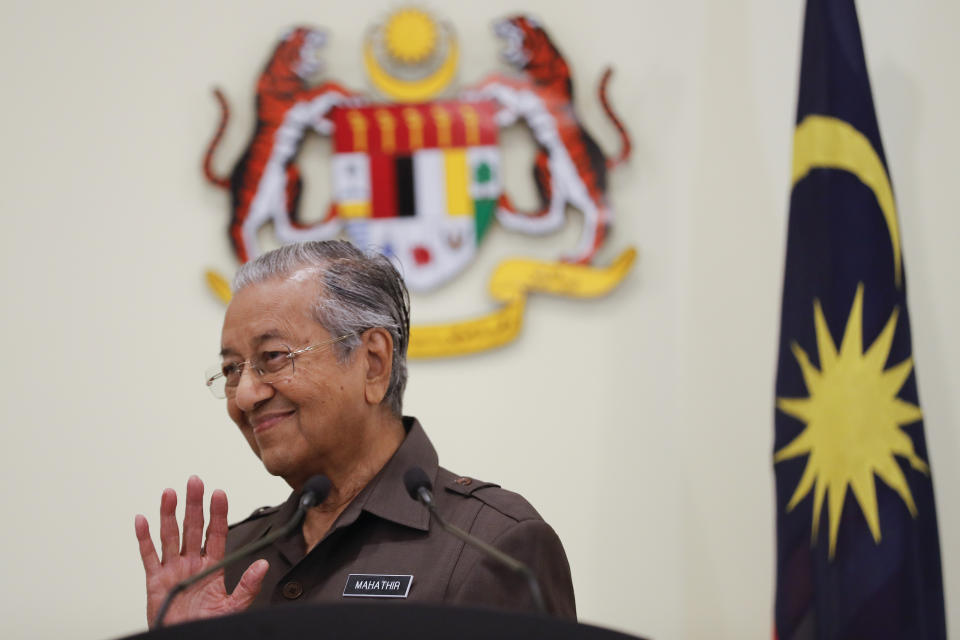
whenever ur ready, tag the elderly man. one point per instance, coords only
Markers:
(313, 368)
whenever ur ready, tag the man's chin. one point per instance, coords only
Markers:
(275, 465)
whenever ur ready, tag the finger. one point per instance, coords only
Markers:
(193, 517)
(169, 530)
(148, 553)
(217, 531)
(250, 584)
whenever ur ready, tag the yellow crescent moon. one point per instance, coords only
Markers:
(412, 90)
(822, 142)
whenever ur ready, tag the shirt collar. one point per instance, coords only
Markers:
(386, 496)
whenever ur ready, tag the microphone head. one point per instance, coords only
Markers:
(315, 490)
(415, 479)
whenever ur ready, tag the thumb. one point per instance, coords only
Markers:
(250, 583)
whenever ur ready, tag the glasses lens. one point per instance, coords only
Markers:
(216, 382)
(276, 366)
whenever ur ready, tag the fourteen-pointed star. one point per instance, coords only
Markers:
(853, 422)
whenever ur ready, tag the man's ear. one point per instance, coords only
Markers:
(378, 354)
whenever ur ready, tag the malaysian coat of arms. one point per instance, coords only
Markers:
(418, 178)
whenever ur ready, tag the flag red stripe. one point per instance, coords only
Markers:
(384, 182)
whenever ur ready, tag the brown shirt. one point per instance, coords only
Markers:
(384, 532)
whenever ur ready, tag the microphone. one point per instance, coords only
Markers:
(315, 491)
(420, 489)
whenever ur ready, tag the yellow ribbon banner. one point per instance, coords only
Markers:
(510, 284)
(219, 285)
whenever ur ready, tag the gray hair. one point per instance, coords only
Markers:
(359, 291)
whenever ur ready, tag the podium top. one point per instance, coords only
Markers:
(381, 621)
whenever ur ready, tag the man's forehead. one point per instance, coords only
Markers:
(275, 308)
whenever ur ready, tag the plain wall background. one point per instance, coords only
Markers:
(639, 425)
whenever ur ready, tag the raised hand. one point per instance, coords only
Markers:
(207, 598)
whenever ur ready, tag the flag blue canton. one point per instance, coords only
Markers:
(848, 565)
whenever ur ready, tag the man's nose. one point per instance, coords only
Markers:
(251, 389)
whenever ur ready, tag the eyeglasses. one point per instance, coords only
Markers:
(275, 365)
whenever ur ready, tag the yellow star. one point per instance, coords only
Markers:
(854, 420)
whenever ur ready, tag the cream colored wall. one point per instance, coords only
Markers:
(640, 425)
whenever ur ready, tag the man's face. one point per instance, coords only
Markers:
(315, 420)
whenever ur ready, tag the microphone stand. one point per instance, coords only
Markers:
(426, 498)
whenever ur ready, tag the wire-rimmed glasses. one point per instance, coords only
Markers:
(273, 365)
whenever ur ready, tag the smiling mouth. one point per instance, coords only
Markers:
(265, 423)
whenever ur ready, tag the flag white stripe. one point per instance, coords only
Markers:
(429, 184)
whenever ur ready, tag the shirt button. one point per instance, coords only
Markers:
(463, 482)
(292, 590)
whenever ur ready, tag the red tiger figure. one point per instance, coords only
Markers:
(570, 168)
(265, 183)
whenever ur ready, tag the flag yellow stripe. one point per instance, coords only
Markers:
(458, 186)
(358, 126)
(353, 209)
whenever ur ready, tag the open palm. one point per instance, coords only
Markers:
(209, 597)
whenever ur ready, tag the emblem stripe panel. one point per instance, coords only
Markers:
(406, 206)
(458, 190)
(428, 184)
(382, 169)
